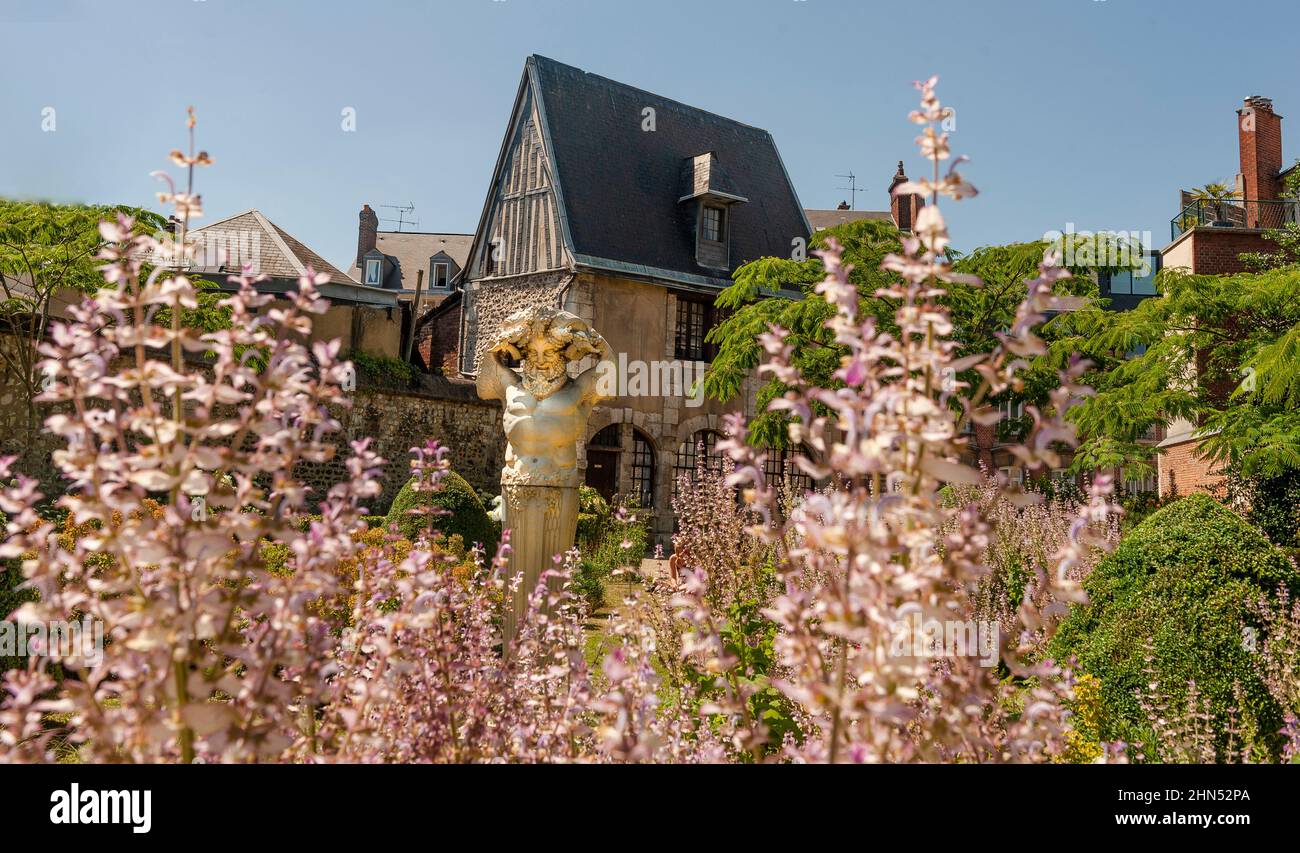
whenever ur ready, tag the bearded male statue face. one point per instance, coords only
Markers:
(546, 341)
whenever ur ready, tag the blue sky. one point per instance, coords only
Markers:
(1092, 112)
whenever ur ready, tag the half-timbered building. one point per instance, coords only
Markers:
(632, 211)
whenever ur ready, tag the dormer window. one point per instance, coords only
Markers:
(712, 222)
(441, 276)
(709, 195)
(373, 269)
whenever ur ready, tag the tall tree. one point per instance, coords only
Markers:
(47, 253)
(780, 291)
(1222, 352)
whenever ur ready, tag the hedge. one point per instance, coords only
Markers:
(465, 514)
(1188, 578)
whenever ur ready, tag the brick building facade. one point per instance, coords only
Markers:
(1209, 238)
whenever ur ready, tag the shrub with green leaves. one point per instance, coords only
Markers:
(608, 540)
(593, 516)
(1189, 579)
(11, 575)
(382, 369)
(463, 512)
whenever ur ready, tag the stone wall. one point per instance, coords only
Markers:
(487, 303)
(396, 420)
(399, 420)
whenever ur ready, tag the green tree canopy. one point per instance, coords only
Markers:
(50, 250)
(780, 291)
(49, 246)
(1222, 352)
(47, 249)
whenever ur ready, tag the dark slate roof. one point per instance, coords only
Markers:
(621, 184)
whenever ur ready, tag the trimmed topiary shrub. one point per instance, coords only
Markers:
(465, 514)
(1188, 578)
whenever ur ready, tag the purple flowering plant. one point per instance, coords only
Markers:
(212, 656)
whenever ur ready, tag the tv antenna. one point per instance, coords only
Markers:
(403, 214)
(852, 188)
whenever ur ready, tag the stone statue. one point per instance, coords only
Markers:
(546, 413)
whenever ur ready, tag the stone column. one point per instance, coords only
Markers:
(542, 521)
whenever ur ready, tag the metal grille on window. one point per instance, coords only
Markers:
(607, 438)
(701, 451)
(781, 468)
(643, 471)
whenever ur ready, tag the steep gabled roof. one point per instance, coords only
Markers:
(250, 236)
(620, 184)
(280, 254)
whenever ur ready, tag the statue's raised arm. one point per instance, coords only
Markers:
(590, 388)
(494, 377)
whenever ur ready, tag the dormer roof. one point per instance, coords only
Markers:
(704, 177)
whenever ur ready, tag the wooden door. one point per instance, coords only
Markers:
(602, 471)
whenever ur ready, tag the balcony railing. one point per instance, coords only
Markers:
(1234, 213)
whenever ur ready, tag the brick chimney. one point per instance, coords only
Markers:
(904, 208)
(1259, 130)
(844, 205)
(367, 232)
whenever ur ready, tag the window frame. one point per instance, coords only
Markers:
(377, 266)
(687, 461)
(446, 284)
(720, 217)
(695, 311)
(781, 467)
(643, 470)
